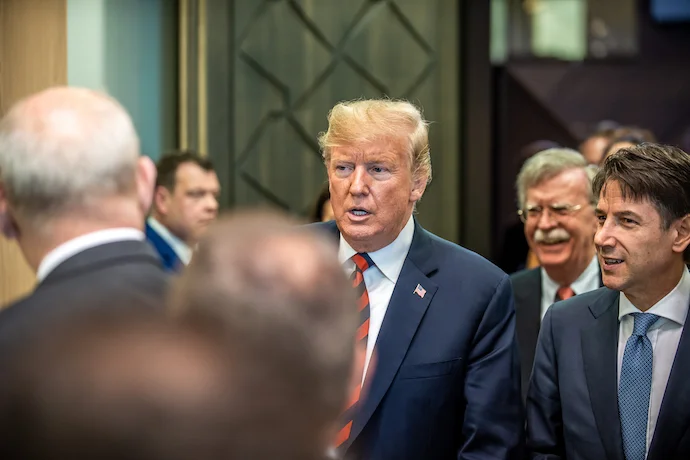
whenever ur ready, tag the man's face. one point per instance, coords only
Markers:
(188, 210)
(372, 192)
(593, 149)
(636, 254)
(560, 235)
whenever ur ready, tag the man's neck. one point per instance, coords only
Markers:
(645, 296)
(36, 243)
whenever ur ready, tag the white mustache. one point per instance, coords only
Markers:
(556, 235)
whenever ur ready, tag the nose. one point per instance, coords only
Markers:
(211, 202)
(545, 221)
(604, 235)
(360, 181)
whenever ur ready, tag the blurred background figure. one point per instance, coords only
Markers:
(277, 295)
(627, 136)
(323, 211)
(184, 205)
(74, 193)
(593, 148)
(556, 205)
(126, 387)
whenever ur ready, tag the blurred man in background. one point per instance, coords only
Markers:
(557, 208)
(185, 203)
(441, 319)
(277, 295)
(74, 193)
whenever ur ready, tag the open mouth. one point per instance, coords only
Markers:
(359, 212)
(552, 242)
(609, 261)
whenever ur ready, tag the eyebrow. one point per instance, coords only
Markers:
(624, 214)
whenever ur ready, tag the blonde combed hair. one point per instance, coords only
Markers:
(365, 121)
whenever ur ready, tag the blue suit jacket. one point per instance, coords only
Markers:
(171, 262)
(572, 401)
(446, 382)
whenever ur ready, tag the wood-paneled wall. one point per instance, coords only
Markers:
(33, 56)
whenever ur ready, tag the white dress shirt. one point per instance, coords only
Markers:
(589, 280)
(82, 243)
(380, 280)
(665, 336)
(183, 252)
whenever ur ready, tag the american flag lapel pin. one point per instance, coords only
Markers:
(420, 291)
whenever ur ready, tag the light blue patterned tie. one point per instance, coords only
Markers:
(635, 387)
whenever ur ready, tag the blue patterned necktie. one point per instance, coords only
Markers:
(635, 388)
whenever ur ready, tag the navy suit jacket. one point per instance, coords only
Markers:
(527, 292)
(572, 402)
(446, 382)
(171, 262)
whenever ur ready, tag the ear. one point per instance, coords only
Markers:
(146, 180)
(418, 188)
(682, 236)
(161, 200)
(8, 226)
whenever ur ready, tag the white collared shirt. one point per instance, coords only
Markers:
(589, 280)
(183, 252)
(380, 280)
(664, 335)
(81, 244)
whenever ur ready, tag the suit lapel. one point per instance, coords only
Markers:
(599, 354)
(674, 414)
(403, 316)
(528, 319)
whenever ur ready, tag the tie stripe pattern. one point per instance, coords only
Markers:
(635, 387)
(362, 263)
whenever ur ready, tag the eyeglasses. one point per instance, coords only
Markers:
(556, 210)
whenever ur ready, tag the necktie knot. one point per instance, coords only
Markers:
(564, 293)
(643, 321)
(362, 261)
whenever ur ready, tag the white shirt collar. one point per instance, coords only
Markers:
(389, 259)
(82, 243)
(183, 251)
(587, 281)
(674, 306)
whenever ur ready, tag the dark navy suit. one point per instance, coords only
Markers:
(446, 382)
(572, 402)
(171, 262)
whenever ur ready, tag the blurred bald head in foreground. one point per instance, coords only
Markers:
(279, 298)
(74, 192)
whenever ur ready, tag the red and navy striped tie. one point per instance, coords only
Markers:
(362, 263)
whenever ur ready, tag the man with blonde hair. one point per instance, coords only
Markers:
(74, 192)
(556, 205)
(439, 318)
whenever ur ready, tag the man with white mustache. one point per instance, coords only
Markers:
(556, 204)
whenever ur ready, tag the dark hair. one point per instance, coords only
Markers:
(169, 162)
(656, 173)
(317, 211)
